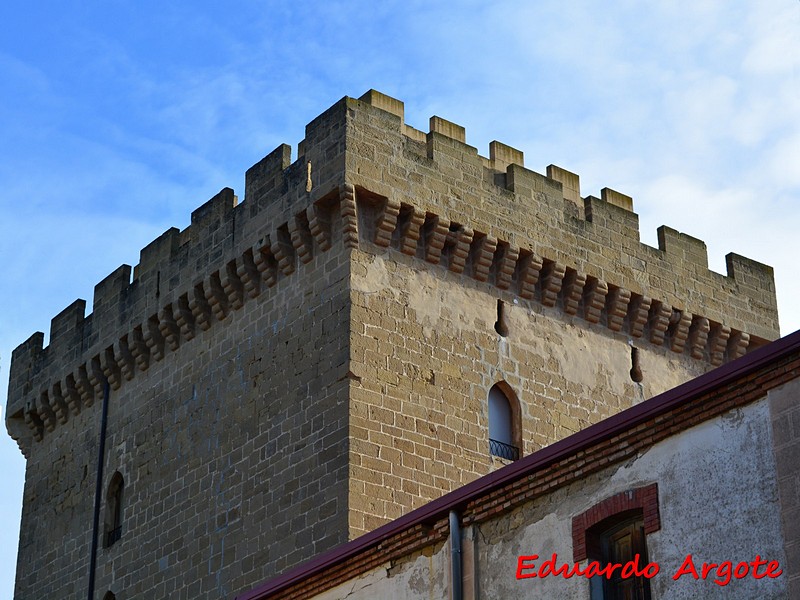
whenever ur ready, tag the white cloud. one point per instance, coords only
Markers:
(775, 31)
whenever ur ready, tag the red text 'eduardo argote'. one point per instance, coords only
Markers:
(722, 573)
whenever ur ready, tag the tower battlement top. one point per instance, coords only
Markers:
(364, 175)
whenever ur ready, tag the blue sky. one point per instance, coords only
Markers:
(117, 119)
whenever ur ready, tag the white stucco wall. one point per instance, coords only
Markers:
(717, 498)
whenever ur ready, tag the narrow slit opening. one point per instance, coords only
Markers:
(636, 369)
(500, 326)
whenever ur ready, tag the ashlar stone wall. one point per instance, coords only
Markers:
(291, 371)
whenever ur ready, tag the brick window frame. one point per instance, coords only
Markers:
(644, 499)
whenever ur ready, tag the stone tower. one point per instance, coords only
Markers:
(292, 371)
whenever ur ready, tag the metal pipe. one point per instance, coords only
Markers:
(98, 491)
(455, 555)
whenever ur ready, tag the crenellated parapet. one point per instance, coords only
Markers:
(592, 260)
(48, 385)
(364, 179)
(529, 276)
(187, 282)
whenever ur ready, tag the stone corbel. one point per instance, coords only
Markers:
(319, 224)
(529, 265)
(184, 317)
(552, 278)
(125, 359)
(698, 336)
(506, 266)
(617, 307)
(386, 222)
(300, 236)
(737, 344)
(572, 287)
(84, 386)
(154, 338)
(110, 368)
(349, 212)
(482, 256)
(248, 274)
(217, 299)
(410, 231)
(679, 324)
(58, 403)
(265, 263)
(717, 343)
(283, 252)
(638, 311)
(660, 314)
(232, 285)
(594, 300)
(436, 231)
(461, 240)
(169, 328)
(72, 395)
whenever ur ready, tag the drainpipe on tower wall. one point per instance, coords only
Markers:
(98, 492)
(455, 556)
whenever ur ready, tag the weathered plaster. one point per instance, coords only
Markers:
(719, 473)
(424, 577)
(784, 404)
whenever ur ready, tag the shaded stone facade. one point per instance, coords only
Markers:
(292, 371)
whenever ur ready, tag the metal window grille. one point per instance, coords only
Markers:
(113, 536)
(503, 450)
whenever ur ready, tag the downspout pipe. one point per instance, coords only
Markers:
(455, 556)
(98, 491)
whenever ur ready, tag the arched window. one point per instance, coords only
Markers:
(112, 530)
(109, 596)
(614, 531)
(505, 434)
